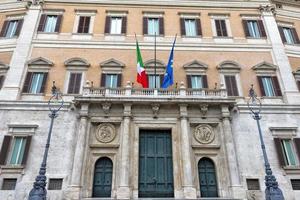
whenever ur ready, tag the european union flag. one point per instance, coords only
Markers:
(168, 77)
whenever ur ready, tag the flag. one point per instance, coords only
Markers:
(168, 77)
(142, 77)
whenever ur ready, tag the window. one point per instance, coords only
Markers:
(11, 28)
(84, 24)
(221, 27)
(288, 35)
(254, 28)
(269, 86)
(35, 82)
(14, 150)
(50, 23)
(55, 184)
(151, 81)
(9, 184)
(74, 83)
(231, 85)
(115, 25)
(111, 80)
(190, 27)
(2, 77)
(287, 150)
(295, 184)
(197, 81)
(252, 184)
(153, 25)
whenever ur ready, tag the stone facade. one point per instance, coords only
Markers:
(103, 122)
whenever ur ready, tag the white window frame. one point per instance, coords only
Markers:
(11, 18)
(84, 13)
(288, 25)
(153, 15)
(116, 30)
(293, 149)
(225, 17)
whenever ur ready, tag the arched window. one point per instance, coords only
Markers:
(103, 178)
(207, 178)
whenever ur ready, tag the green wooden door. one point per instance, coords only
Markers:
(102, 178)
(207, 178)
(155, 164)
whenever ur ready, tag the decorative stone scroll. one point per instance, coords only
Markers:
(204, 134)
(105, 133)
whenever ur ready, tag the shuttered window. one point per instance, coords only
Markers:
(295, 184)
(2, 77)
(50, 23)
(9, 184)
(197, 81)
(55, 184)
(74, 83)
(269, 86)
(11, 28)
(287, 151)
(35, 82)
(111, 80)
(221, 27)
(152, 79)
(288, 35)
(152, 26)
(231, 86)
(84, 24)
(254, 28)
(115, 25)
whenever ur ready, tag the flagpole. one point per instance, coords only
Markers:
(155, 60)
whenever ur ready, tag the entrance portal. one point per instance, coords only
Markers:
(207, 178)
(155, 164)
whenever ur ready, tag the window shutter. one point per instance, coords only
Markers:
(124, 25)
(261, 86)
(58, 23)
(119, 81)
(107, 25)
(77, 83)
(234, 86)
(26, 150)
(278, 147)
(189, 81)
(161, 77)
(276, 86)
(80, 25)
(199, 28)
(19, 27)
(246, 30)
(1, 81)
(4, 149)
(27, 82)
(295, 36)
(161, 26)
(44, 83)
(297, 146)
(231, 86)
(218, 27)
(86, 24)
(42, 22)
(281, 34)
(224, 30)
(145, 25)
(204, 81)
(71, 83)
(261, 28)
(4, 29)
(103, 77)
(182, 26)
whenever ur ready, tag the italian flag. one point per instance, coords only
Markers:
(141, 77)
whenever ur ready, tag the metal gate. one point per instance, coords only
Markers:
(103, 178)
(155, 164)
(207, 178)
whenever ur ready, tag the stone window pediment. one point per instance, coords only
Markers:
(229, 66)
(40, 63)
(77, 63)
(195, 67)
(265, 68)
(150, 65)
(112, 66)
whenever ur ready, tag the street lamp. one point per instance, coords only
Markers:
(39, 191)
(272, 192)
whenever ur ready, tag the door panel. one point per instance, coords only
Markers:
(102, 178)
(207, 178)
(155, 164)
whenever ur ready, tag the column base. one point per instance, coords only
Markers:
(189, 192)
(72, 193)
(123, 192)
(9, 93)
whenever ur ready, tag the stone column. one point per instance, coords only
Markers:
(189, 190)
(79, 153)
(235, 182)
(16, 74)
(288, 84)
(124, 191)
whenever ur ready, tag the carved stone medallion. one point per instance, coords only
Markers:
(105, 133)
(204, 134)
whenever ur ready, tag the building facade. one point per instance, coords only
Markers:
(115, 139)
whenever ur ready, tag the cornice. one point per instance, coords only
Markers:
(288, 2)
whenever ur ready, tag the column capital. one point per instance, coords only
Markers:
(267, 9)
(84, 110)
(127, 110)
(183, 111)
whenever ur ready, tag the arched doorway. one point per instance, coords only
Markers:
(103, 178)
(207, 178)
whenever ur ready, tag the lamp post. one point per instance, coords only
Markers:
(39, 191)
(272, 192)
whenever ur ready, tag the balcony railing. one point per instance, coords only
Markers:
(129, 91)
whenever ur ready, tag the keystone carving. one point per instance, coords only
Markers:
(155, 110)
(106, 107)
(203, 109)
